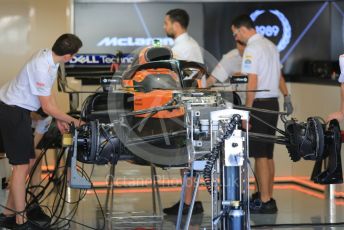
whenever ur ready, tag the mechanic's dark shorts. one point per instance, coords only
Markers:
(16, 134)
(260, 149)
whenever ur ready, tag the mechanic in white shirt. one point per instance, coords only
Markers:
(261, 62)
(185, 48)
(29, 91)
(230, 66)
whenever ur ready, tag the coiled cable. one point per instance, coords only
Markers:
(215, 152)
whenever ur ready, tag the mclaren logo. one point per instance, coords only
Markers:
(131, 41)
(279, 30)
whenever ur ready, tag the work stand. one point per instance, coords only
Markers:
(153, 220)
(187, 174)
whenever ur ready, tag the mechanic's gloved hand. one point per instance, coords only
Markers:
(287, 105)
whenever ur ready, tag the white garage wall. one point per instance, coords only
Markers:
(312, 100)
(25, 27)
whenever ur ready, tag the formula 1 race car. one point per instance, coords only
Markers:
(141, 112)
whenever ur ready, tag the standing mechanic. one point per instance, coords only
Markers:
(29, 91)
(185, 48)
(261, 61)
(230, 66)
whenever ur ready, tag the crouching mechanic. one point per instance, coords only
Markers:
(230, 66)
(29, 91)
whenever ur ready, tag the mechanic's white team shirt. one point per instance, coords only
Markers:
(35, 79)
(262, 58)
(229, 66)
(186, 48)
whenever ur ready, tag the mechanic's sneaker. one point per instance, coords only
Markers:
(259, 207)
(36, 214)
(198, 208)
(255, 196)
(26, 226)
(7, 221)
(173, 210)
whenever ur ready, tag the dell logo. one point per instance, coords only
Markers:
(82, 59)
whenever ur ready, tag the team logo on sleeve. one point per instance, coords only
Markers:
(40, 85)
(247, 63)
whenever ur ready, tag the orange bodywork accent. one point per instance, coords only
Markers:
(142, 74)
(199, 83)
(154, 99)
(128, 83)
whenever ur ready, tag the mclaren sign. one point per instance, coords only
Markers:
(132, 41)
